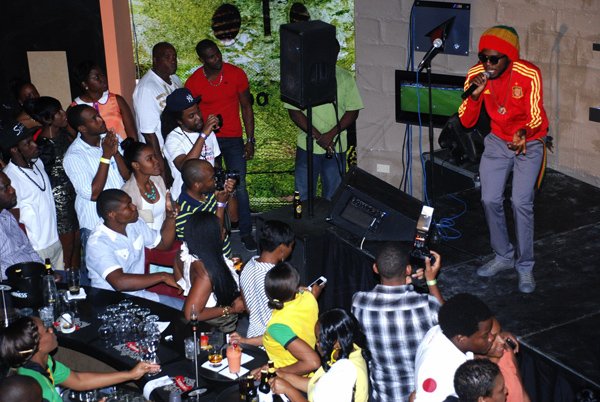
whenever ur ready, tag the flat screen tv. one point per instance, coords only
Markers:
(412, 97)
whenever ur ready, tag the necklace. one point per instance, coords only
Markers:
(43, 186)
(203, 152)
(212, 83)
(152, 194)
(501, 107)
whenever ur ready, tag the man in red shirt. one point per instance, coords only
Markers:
(510, 89)
(223, 89)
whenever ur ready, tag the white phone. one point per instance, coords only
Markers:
(321, 281)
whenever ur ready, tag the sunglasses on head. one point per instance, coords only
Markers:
(492, 59)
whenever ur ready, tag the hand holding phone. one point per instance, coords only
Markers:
(320, 282)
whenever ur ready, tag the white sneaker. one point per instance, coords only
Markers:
(494, 266)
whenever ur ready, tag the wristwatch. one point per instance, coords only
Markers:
(251, 140)
(203, 136)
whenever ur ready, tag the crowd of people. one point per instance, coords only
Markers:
(95, 186)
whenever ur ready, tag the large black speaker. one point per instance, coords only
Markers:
(369, 207)
(308, 54)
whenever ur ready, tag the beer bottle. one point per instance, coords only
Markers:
(297, 205)
(264, 389)
(48, 265)
(271, 371)
(251, 392)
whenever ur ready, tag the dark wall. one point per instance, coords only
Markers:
(47, 25)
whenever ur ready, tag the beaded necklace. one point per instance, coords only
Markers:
(152, 194)
(42, 188)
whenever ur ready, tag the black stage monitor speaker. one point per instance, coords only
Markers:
(371, 208)
(308, 54)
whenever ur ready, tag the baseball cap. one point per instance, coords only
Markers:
(180, 99)
(14, 132)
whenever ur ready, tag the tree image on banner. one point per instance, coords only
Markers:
(270, 179)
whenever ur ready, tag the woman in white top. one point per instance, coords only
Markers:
(210, 284)
(343, 375)
(145, 186)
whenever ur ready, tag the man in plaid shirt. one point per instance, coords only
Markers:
(395, 319)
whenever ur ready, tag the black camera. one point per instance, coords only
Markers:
(219, 123)
(221, 177)
(420, 249)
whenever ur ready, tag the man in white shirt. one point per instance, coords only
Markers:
(93, 163)
(465, 327)
(189, 137)
(115, 250)
(35, 207)
(151, 92)
(15, 247)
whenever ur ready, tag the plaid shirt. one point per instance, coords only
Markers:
(395, 320)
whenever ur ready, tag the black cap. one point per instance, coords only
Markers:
(180, 99)
(14, 132)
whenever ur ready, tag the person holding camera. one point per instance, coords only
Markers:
(188, 136)
(200, 193)
(395, 318)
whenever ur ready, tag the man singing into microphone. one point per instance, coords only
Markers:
(511, 91)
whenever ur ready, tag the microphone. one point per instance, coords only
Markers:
(431, 53)
(473, 87)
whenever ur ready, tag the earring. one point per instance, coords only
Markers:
(332, 358)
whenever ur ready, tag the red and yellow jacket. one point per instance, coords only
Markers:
(519, 91)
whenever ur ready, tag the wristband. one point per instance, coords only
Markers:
(226, 311)
(104, 160)
(203, 136)
(221, 204)
(432, 282)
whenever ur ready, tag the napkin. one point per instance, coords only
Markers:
(156, 383)
(162, 325)
(226, 373)
(81, 296)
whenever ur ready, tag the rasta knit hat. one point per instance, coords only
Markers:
(503, 39)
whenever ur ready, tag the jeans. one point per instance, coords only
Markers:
(496, 164)
(232, 151)
(328, 169)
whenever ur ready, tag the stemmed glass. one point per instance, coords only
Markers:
(149, 352)
(105, 331)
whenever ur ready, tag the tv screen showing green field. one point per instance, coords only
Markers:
(412, 97)
(415, 98)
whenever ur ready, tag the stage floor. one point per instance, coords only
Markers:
(560, 321)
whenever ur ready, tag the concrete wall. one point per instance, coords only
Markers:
(556, 35)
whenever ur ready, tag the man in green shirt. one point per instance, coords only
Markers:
(328, 135)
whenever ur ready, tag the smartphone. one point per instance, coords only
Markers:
(321, 281)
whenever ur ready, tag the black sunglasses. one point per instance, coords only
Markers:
(492, 59)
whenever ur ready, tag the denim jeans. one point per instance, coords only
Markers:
(232, 151)
(328, 169)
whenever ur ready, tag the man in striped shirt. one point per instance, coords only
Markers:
(510, 89)
(200, 194)
(93, 164)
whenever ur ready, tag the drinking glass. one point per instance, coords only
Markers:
(73, 278)
(105, 331)
(215, 356)
(149, 352)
